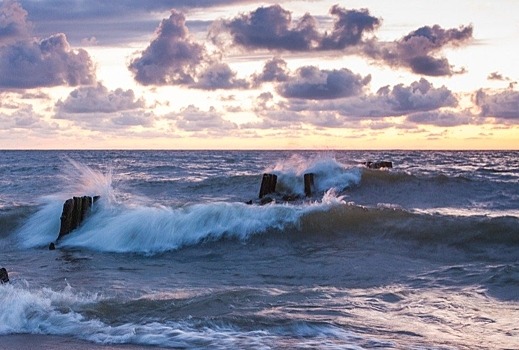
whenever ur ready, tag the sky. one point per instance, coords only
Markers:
(244, 74)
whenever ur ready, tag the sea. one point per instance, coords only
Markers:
(179, 252)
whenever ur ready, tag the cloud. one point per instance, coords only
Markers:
(502, 105)
(419, 96)
(269, 28)
(400, 100)
(349, 28)
(440, 118)
(50, 62)
(496, 76)
(417, 50)
(312, 83)
(13, 23)
(274, 70)
(172, 57)
(97, 108)
(96, 9)
(25, 118)
(219, 76)
(111, 22)
(272, 28)
(98, 99)
(26, 62)
(133, 118)
(193, 119)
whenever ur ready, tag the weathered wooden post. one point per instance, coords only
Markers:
(268, 184)
(75, 210)
(309, 184)
(4, 276)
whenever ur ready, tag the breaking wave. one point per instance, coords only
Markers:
(351, 201)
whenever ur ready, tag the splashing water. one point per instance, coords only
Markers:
(81, 180)
(328, 172)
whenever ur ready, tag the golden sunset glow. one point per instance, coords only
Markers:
(311, 75)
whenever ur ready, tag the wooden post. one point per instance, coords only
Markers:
(309, 184)
(4, 276)
(66, 217)
(378, 165)
(75, 210)
(268, 184)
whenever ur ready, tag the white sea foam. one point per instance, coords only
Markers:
(81, 180)
(42, 311)
(50, 312)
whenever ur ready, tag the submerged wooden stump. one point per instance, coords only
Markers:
(268, 184)
(75, 210)
(4, 276)
(309, 184)
(378, 165)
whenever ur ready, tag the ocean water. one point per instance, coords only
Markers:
(421, 256)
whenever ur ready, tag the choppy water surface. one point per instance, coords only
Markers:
(421, 256)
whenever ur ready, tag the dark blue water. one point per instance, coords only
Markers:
(421, 256)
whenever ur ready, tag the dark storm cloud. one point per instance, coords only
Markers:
(418, 49)
(312, 83)
(503, 105)
(172, 57)
(98, 99)
(13, 23)
(50, 62)
(272, 28)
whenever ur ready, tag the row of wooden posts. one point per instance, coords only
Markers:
(269, 181)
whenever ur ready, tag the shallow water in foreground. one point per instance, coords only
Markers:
(421, 256)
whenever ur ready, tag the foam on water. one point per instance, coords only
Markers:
(69, 313)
